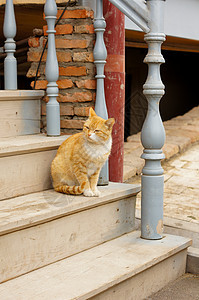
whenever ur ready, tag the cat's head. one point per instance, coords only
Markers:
(96, 129)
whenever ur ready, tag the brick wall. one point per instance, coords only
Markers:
(74, 44)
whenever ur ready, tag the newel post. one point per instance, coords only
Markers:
(153, 134)
(10, 62)
(100, 55)
(52, 72)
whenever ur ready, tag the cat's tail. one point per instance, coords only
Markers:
(72, 190)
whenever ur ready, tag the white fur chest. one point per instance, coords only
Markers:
(96, 155)
(97, 151)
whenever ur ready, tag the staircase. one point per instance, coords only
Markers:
(55, 246)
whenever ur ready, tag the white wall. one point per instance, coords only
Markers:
(181, 19)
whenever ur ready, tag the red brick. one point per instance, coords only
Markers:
(82, 111)
(84, 28)
(76, 14)
(62, 56)
(34, 42)
(32, 71)
(60, 29)
(65, 110)
(69, 44)
(77, 124)
(64, 83)
(87, 84)
(75, 97)
(83, 57)
(40, 84)
(35, 56)
(72, 71)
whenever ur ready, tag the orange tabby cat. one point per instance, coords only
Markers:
(76, 167)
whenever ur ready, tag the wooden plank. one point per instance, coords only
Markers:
(26, 211)
(6, 95)
(30, 143)
(19, 117)
(41, 245)
(94, 271)
(26, 173)
(19, 112)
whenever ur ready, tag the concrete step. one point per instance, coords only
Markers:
(127, 267)
(19, 112)
(42, 228)
(25, 164)
(193, 260)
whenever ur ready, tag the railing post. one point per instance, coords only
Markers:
(10, 62)
(153, 134)
(100, 55)
(52, 72)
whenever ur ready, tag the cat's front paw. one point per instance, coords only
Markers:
(88, 193)
(96, 192)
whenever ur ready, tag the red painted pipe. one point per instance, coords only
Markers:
(114, 38)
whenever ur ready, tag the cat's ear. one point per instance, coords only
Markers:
(92, 113)
(109, 123)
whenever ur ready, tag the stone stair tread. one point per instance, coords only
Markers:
(36, 208)
(29, 143)
(91, 272)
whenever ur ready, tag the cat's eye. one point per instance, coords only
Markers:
(97, 130)
(86, 127)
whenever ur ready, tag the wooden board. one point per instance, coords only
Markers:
(19, 112)
(25, 173)
(37, 208)
(104, 267)
(32, 248)
(19, 117)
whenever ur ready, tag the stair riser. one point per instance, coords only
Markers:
(186, 233)
(35, 247)
(25, 173)
(144, 284)
(19, 117)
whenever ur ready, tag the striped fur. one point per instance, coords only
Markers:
(76, 167)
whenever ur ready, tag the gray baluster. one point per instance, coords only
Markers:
(10, 62)
(100, 55)
(52, 72)
(153, 134)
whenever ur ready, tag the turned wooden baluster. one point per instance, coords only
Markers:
(10, 62)
(153, 134)
(100, 55)
(52, 72)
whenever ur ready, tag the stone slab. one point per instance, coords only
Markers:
(101, 268)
